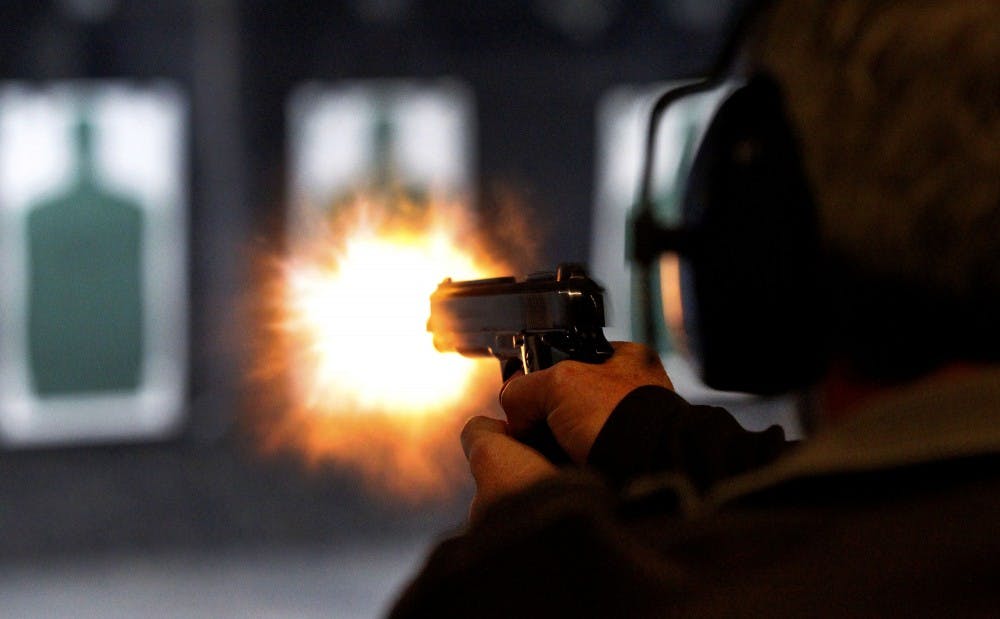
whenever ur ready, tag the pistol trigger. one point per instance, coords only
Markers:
(536, 354)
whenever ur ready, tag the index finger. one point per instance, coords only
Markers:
(525, 399)
(500, 465)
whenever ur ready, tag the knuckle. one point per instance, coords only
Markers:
(519, 387)
(559, 378)
(469, 429)
(482, 453)
(476, 430)
(566, 372)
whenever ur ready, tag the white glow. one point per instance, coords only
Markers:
(331, 140)
(433, 130)
(37, 152)
(367, 317)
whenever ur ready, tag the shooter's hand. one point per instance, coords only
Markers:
(576, 398)
(499, 464)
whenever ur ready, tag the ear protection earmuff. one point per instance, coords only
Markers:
(750, 277)
(749, 247)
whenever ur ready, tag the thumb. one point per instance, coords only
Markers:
(499, 464)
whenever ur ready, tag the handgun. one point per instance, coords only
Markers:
(527, 325)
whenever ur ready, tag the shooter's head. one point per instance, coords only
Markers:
(886, 115)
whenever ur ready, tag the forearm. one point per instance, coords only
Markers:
(569, 546)
(541, 552)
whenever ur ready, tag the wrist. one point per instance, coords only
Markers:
(630, 442)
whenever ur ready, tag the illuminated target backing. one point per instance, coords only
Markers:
(93, 248)
(372, 136)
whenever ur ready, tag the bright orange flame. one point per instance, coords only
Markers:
(348, 331)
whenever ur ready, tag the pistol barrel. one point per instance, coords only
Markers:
(491, 317)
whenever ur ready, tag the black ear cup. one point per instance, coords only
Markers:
(750, 280)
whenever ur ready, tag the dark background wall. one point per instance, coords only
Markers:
(537, 70)
(536, 81)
